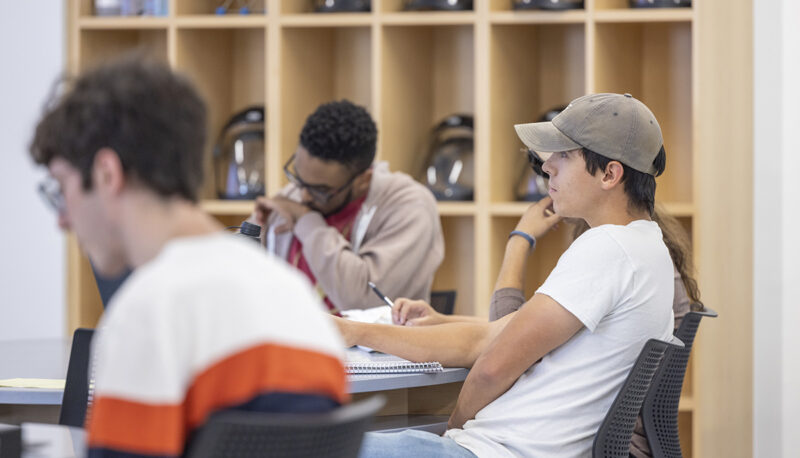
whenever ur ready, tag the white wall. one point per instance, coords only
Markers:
(32, 261)
(776, 302)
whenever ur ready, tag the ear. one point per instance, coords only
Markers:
(612, 175)
(362, 182)
(108, 176)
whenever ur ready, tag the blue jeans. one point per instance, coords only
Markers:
(411, 443)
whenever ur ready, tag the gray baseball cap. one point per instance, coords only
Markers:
(616, 126)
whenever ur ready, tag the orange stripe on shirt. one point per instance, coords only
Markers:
(159, 429)
(148, 429)
(263, 369)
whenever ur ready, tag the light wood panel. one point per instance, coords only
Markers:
(723, 228)
(456, 270)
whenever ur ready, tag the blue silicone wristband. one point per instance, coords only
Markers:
(525, 236)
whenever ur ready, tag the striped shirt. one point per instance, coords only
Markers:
(212, 323)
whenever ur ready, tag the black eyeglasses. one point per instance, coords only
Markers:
(320, 194)
(536, 162)
(50, 190)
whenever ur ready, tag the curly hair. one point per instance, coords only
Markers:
(343, 132)
(151, 117)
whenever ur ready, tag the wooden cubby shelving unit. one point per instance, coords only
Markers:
(412, 69)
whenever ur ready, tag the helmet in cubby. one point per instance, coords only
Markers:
(437, 5)
(547, 4)
(342, 6)
(660, 3)
(450, 165)
(239, 156)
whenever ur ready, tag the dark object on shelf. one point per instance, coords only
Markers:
(342, 6)
(450, 167)
(438, 5)
(244, 7)
(556, 5)
(239, 156)
(532, 183)
(130, 7)
(660, 3)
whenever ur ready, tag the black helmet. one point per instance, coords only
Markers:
(341, 6)
(547, 4)
(660, 3)
(439, 5)
(239, 156)
(450, 168)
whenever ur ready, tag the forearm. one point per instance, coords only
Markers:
(462, 319)
(452, 344)
(515, 261)
(479, 390)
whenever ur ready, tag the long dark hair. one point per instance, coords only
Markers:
(677, 241)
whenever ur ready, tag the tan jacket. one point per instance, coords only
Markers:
(397, 243)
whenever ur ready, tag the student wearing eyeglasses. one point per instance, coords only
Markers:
(344, 220)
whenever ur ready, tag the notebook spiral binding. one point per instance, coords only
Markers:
(393, 367)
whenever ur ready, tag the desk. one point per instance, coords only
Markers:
(34, 358)
(48, 358)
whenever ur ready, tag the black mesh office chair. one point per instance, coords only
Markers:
(77, 386)
(443, 301)
(660, 409)
(239, 434)
(613, 439)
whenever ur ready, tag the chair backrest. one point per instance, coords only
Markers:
(660, 408)
(613, 439)
(443, 301)
(240, 434)
(76, 388)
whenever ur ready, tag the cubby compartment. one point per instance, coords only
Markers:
(508, 5)
(319, 65)
(309, 6)
(99, 45)
(533, 69)
(457, 271)
(390, 6)
(544, 258)
(228, 67)
(160, 8)
(611, 4)
(205, 7)
(602, 5)
(653, 62)
(427, 74)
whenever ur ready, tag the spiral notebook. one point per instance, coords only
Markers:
(362, 362)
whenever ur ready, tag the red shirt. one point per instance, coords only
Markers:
(343, 221)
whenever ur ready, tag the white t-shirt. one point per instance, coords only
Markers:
(618, 281)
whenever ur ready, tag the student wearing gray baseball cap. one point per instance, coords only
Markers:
(543, 378)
